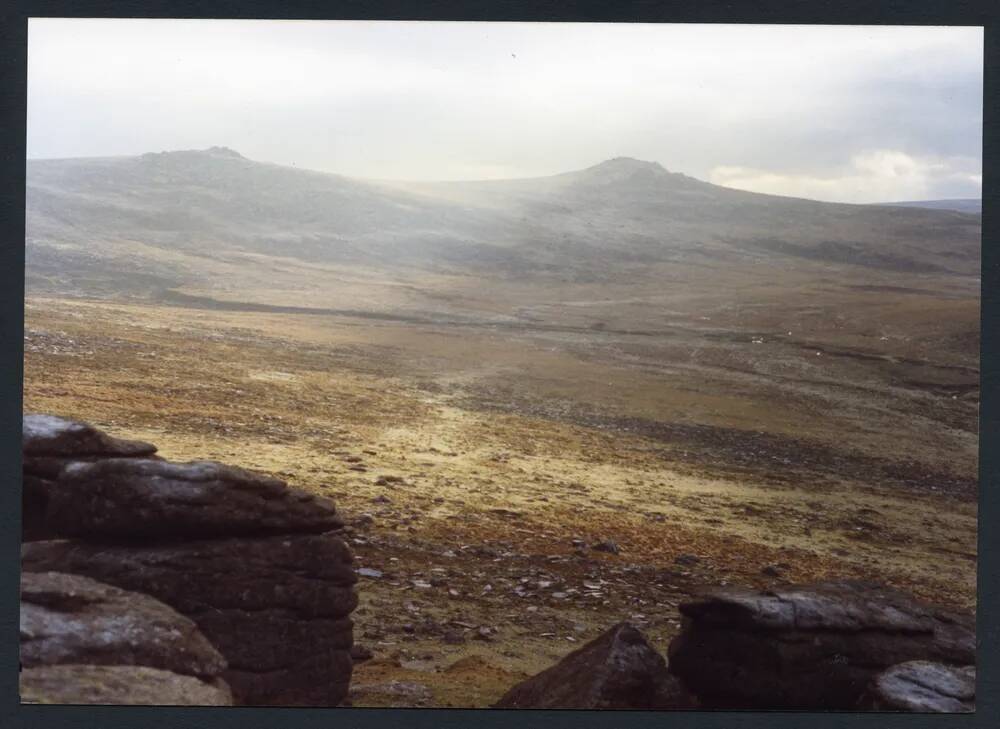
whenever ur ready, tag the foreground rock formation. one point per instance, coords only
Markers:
(925, 687)
(55, 437)
(49, 443)
(258, 566)
(617, 670)
(276, 607)
(72, 684)
(808, 647)
(83, 641)
(67, 618)
(123, 498)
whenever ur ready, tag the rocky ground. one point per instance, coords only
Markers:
(497, 522)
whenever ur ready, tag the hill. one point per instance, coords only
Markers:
(961, 205)
(213, 218)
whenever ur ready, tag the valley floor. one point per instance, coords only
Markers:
(479, 466)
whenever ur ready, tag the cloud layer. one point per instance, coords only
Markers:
(843, 113)
(873, 175)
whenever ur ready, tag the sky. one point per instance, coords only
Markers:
(840, 113)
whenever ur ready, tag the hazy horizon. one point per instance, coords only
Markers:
(839, 113)
(503, 179)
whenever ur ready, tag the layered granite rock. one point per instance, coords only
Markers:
(617, 670)
(49, 444)
(126, 498)
(51, 436)
(66, 618)
(257, 565)
(808, 647)
(276, 607)
(923, 686)
(86, 642)
(34, 502)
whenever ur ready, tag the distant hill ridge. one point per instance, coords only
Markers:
(167, 218)
(962, 205)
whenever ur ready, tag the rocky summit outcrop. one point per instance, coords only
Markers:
(49, 444)
(617, 670)
(84, 684)
(257, 565)
(808, 647)
(923, 686)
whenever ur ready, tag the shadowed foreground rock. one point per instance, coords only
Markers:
(69, 619)
(276, 607)
(922, 686)
(129, 498)
(49, 444)
(617, 670)
(254, 563)
(34, 503)
(74, 684)
(808, 647)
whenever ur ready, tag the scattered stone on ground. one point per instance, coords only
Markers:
(400, 694)
(360, 653)
(606, 546)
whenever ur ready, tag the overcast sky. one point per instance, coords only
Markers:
(856, 114)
